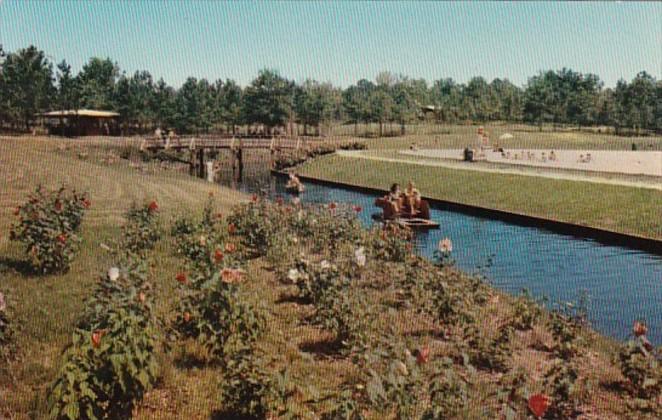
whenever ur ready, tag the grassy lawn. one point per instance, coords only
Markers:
(524, 136)
(622, 209)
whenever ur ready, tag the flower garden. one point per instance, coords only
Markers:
(300, 312)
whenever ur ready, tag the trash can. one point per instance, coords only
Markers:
(468, 155)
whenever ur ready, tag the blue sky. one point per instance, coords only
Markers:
(342, 42)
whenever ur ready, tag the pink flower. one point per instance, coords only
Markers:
(230, 248)
(231, 275)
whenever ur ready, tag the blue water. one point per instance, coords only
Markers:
(622, 284)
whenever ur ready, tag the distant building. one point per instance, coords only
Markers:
(80, 122)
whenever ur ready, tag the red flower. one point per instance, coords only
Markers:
(218, 256)
(219, 215)
(254, 198)
(538, 404)
(423, 355)
(639, 328)
(153, 206)
(230, 248)
(181, 277)
(358, 209)
(16, 211)
(86, 203)
(332, 205)
(96, 338)
(58, 205)
(187, 317)
(279, 201)
(62, 238)
(232, 229)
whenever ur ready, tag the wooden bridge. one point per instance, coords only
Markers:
(198, 145)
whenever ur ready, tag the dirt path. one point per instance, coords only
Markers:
(522, 170)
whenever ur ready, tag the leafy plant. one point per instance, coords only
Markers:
(48, 226)
(640, 364)
(448, 393)
(526, 312)
(141, 232)
(250, 390)
(216, 315)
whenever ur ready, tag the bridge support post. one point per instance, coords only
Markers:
(201, 163)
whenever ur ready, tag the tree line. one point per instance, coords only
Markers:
(30, 84)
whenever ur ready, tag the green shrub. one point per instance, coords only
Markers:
(250, 390)
(111, 361)
(48, 226)
(526, 312)
(216, 315)
(141, 231)
(448, 393)
(640, 365)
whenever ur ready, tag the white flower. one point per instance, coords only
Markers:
(360, 257)
(325, 265)
(203, 240)
(104, 247)
(113, 273)
(445, 245)
(295, 240)
(293, 275)
(296, 201)
(3, 304)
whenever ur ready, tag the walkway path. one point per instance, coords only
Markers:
(521, 170)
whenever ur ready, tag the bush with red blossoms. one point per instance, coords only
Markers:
(641, 365)
(48, 225)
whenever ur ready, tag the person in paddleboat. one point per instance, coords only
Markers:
(294, 182)
(391, 203)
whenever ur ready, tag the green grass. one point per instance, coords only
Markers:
(524, 136)
(621, 209)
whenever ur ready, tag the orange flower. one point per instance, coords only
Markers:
(62, 238)
(141, 297)
(423, 355)
(232, 229)
(181, 277)
(639, 328)
(539, 404)
(218, 255)
(230, 248)
(96, 338)
(187, 317)
(153, 206)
